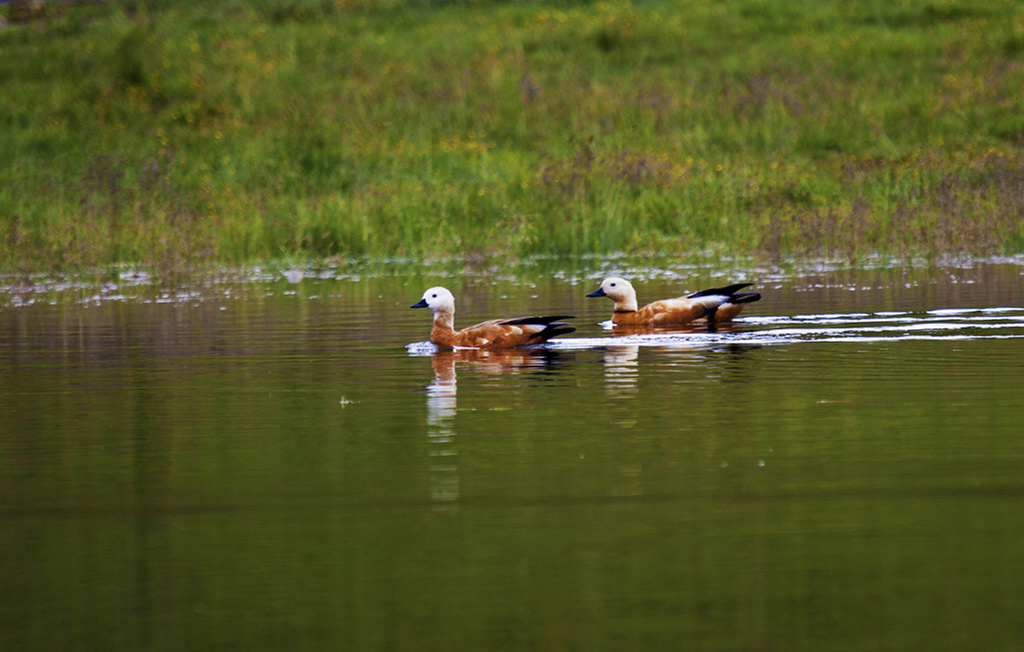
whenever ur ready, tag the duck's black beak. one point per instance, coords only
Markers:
(422, 303)
(599, 292)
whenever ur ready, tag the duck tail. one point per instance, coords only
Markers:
(553, 327)
(745, 297)
(557, 328)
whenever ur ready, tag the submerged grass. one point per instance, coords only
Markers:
(178, 134)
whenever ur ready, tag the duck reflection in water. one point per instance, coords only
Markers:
(621, 367)
(442, 406)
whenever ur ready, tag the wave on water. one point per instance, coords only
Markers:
(888, 326)
(421, 348)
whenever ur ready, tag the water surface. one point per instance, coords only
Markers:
(256, 464)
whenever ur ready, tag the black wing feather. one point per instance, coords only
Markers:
(728, 290)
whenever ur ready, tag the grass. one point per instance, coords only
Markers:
(178, 135)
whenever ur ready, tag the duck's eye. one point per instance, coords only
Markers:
(433, 296)
(613, 285)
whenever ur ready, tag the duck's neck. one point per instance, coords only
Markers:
(444, 321)
(443, 333)
(626, 304)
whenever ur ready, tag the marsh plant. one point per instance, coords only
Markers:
(179, 134)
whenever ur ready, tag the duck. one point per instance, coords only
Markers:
(493, 334)
(712, 305)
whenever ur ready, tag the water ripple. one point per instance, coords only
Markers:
(884, 326)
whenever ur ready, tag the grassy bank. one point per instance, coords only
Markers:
(178, 134)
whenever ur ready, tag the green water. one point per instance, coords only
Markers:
(263, 466)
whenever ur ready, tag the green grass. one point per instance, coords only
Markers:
(179, 135)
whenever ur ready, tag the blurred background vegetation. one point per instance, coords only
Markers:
(180, 135)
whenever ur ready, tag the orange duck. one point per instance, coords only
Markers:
(713, 305)
(493, 334)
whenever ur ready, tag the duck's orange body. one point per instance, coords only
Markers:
(493, 334)
(711, 306)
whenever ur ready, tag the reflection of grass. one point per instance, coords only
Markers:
(186, 133)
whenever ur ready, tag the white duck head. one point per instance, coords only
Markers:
(438, 299)
(618, 290)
